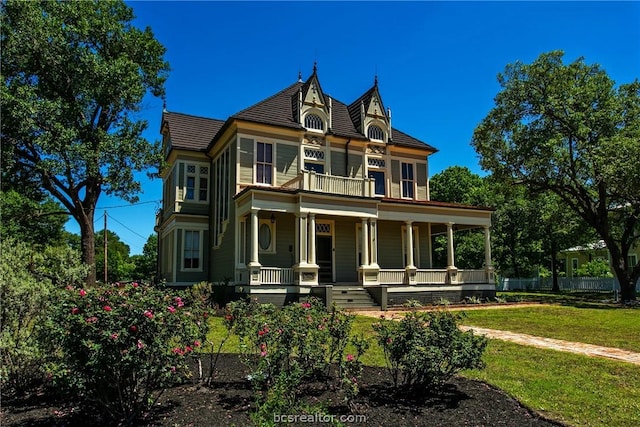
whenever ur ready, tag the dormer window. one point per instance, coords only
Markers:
(313, 121)
(375, 132)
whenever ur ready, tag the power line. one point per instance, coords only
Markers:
(128, 205)
(139, 235)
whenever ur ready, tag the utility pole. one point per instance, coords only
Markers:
(105, 247)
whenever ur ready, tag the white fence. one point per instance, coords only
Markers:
(572, 284)
(276, 276)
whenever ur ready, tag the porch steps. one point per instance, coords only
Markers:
(352, 297)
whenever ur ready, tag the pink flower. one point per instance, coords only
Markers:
(349, 357)
(69, 287)
(173, 369)
(106, 308)
(75, 310)
(148, 313)
(135, 284)
(82, 292)
(179, 302)
(140, 344)
(263, 353)
(114, 336)
(171, 309)
(91, 319)
(196, 343)
(188, 348)
(389, 340)
(178, 350)
(133, 328)
(306, 305)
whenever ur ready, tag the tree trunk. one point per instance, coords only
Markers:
(88, 244)
(554, 267)
(626, 278)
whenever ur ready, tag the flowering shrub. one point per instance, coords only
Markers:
(285, 347)
(425, 349)
(28, 281)
(121, 345)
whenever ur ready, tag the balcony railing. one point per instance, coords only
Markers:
(431, 276)
(472, 276)
(391, 276)
(276, 276)
(331, 184)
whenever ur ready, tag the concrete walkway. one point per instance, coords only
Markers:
(534, 341)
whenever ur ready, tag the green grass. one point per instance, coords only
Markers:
(610, 327)
(578, 390)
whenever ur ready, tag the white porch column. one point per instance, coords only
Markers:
(254, 263)
(365, 242)
(374, 242)
(254, 237)
(303, 238)
(450, 254)
(312, 239)
(409, 244)
(452, 271)
(296, 240)
(487, 254)
(430, 247)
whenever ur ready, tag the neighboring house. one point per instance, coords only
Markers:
(577, 256)
(300, 193)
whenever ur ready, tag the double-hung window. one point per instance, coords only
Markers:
(196, 183)
(191, 251)
(407, 180)
(264, 163)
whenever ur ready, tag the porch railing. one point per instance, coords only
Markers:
(331, 184)
(391, 277)
(276, 276)
(431, 276)
(472, 276)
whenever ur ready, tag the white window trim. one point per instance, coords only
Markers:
(415, 187)
(196, 189)
(272, 227)
(318, 113)
(274, 178)
(381, 127)
(200, 250)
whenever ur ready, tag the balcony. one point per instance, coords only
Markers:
(331, 184)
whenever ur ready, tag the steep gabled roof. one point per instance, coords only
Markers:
(275, 110)
(190, 132)
(401, 139)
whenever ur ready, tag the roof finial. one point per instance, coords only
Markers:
(375, 80)
(164, 104)
(299, 76)
(315, 66)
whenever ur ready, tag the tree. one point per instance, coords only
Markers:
(119, 266)
(30, 221)
(568, 130)
(74, 76)
(145, 264)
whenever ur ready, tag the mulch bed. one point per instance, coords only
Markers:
(229, 402)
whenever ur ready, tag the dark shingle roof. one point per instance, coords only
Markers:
(191, 132)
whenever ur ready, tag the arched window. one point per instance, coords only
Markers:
(375, 132)
(313, 121)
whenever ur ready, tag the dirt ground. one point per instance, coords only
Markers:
(228, 402)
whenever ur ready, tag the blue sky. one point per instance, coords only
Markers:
(436, 64)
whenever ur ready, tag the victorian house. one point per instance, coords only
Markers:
(301, 194)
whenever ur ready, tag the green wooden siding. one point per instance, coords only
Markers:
(355, 165)
(246, 161)
(395, 179)
(286, 163)
(390, 244)
(421, 180)
(338, 163)
(345, 255)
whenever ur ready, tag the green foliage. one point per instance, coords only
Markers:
(145, 264)
(566, 129)
(285, 347)
(74, 75)
(119, 266)
(31, 221)
(121, 346)
(594, 268)
(425, 349)
(457, 184)
(28, 279)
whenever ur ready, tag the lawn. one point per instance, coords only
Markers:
(574, 389)
(610, 327)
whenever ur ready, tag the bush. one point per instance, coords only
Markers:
(287, 347)
(28, 279)
(424, 350)
(122, 345)
(594, 268)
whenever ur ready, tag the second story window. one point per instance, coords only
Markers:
(196, 183)
(375, 132)
(264, 163)
(313, 121)
(407, 180)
